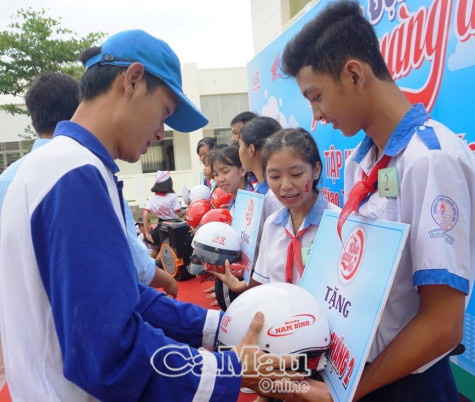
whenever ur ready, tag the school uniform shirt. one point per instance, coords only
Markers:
(271, 204)
(144, 264)
(76, 324)
(249, 187)
(164, 205)
(270, 264)
(436, 196)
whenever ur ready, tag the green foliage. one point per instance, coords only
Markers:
(35, 43)
(28, 136)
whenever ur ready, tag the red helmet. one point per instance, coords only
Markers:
(217, 215)
(195, 212)
(220, 198)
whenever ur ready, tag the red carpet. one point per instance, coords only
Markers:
(192, 291)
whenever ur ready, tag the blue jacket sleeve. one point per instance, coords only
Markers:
(144, 264)
(108, 330)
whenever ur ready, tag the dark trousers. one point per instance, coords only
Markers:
(436, 384)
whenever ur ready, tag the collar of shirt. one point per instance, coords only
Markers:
(39, 142)
(313, 217)
(262, 188)
(88, 140)
(233, 200)
(401, 135)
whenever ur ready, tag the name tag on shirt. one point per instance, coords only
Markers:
(306, 254)
(387, 182)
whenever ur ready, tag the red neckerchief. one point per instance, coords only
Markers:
(294, 253)
(366, 186)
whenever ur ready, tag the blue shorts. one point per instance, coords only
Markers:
(436, 384)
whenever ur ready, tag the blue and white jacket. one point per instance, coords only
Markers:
(76, 324)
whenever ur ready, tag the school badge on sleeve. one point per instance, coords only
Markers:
(445, 213)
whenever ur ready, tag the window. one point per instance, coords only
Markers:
(12, 151)
(223, 136)
(160, 156)
(221, 109)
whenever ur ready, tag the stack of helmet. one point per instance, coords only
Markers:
(294, 323)
(200, 192)
(195, 212)
(203, 210)
(214, 243)
(217, 215)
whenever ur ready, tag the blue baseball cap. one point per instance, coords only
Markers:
(127, 47)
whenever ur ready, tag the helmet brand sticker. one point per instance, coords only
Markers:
(224, 323)
(219, 239)
(289, 327)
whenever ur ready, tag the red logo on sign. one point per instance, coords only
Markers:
(351, 255)
(250, 208)
(256, 81)
(275, 67)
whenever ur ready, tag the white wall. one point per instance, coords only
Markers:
(267, 21)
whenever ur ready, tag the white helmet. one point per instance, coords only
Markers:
(294, 323)
(215, 242)
(200, 192)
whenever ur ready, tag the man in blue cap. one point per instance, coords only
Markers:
(76, 324)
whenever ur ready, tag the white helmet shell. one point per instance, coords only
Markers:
(293, 320)
(215, 242)
(200, 192)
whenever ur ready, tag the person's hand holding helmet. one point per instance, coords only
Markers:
(229, 277)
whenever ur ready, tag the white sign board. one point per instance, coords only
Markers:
(351, 282)
(246, 220)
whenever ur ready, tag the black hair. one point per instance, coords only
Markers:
(339, 33)
(228, 155)
(98, 78)
(206, 141)
(52, 97)
(163, 187)
(257, 130)
(243, 117)
(297, 139)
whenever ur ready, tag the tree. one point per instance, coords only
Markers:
(35, 43)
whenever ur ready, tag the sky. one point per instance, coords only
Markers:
(210, 33)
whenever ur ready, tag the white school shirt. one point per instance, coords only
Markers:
(436, 180)
(164, 206)
(270, 264)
